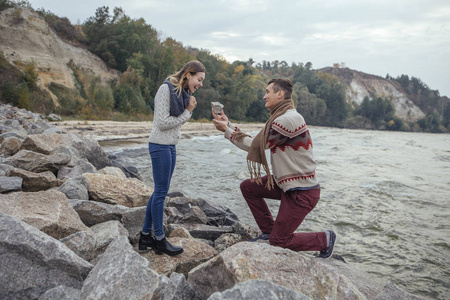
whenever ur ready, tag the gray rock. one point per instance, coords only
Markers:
(245, 261)
(81, 166)
(258, 289)
(40, 143)
(105, 233)
(227, 240)
(61, 292)
(175, 288)
(203, 231)
(218, 215)
(121, 273)
(48, 211)
(37, 162)
(93, 212)
(33, 262)
(35, 182)
(91, 150)
(133, 220)
(75, 188)
(10, 146)
(82, 243)
(246, 231)
(10, 184)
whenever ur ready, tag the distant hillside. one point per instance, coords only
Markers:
(26, 38)
(359, 85)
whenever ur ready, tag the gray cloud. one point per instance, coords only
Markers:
(377, 37)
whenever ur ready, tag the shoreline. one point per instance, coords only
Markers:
(113, 135)
(117, 131)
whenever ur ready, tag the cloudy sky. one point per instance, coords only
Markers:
(378, 37)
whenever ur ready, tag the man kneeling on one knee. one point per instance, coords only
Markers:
(293, 181)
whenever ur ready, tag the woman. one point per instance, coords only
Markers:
(174, 104)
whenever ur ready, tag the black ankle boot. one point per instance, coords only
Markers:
(146, 241)
(163, 246)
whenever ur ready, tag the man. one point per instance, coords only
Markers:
(294, 180)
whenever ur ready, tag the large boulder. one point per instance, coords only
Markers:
(194, 253)
(33, 262)
(245, 261)
(35, 182)
(40, 143)
(48, 211)
(10, 146)
(120, 274)
(37, 162)
(111, 189)
(75, 188)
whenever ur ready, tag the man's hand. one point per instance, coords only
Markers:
(220, 121)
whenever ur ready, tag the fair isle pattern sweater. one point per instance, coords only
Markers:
(166, 128)
(291, 151)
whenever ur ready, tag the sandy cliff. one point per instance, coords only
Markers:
(360, 85)
(25, 37)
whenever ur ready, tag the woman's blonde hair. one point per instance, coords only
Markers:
(180, 78)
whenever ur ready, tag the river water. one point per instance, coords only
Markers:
(385, 194)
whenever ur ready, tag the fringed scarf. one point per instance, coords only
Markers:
(178, 101)
(256, 154)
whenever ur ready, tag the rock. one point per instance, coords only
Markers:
(203, 231)
(193, 215)
(246, 231)
(133, 220)
(61, 292)
(218, 215)
(37, 162)
(114, 190)
(129, 170)
(33, 262)
(35, 182)
(93, 212)
(258, 289)
(40, 143)
(10, 184)
(10, 146)
(112, 171)
(91, 150)
(293, 270)
(194, 254)
(120, 274)
(82, 243)
(75, 188)
(175, 288)
(227, 240)
(80, 167)
(105, 233)
(48, 211)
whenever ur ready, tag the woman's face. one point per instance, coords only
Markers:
(195, 81)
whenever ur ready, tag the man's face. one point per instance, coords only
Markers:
(272, 98)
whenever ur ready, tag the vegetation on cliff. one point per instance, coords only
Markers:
(144, 59)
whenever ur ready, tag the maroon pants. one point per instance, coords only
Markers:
(294, 207)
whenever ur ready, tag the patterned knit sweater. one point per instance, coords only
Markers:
(291, 151)
(166, 128)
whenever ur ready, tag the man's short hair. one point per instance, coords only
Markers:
(283, 84)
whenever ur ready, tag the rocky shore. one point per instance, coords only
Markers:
(70, 217)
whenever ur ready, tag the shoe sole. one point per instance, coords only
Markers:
(333, 235)
(159, 252)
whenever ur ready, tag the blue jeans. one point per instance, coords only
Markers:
(163, 163)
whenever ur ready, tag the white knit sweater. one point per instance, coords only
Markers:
(166, 128)
(291, 151)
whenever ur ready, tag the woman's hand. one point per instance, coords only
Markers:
(192, 104)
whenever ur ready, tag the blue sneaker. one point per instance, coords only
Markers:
(262, 236)
(326, 253)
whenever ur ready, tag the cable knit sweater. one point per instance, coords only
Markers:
(291, 151)
(166, 128)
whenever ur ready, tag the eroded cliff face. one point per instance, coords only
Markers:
(25, 37)
(359, 85)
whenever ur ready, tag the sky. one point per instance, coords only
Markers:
(377, 37)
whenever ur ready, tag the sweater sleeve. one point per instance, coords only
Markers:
(162, 110)
(230, 132)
